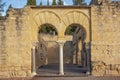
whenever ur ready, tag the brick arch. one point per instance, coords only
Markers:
(77, 17)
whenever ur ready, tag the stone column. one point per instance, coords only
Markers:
(33, 60)
(88, 57)
(61, 62)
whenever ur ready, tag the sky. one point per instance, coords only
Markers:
(22, 3)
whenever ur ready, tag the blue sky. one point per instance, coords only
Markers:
(22, 3)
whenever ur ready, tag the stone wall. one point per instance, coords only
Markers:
(105, 48)
(17, 33)
(15, 57)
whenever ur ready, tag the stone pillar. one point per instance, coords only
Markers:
(33, 60)
(88, 57)
(79, 53)
(61, 62)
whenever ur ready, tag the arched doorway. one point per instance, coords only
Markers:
(61, 22)
(74, 49)
(47, 50)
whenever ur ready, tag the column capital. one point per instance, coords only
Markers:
(61, 42)
(34, 43)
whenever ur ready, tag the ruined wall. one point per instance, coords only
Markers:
(15, 52)
(17, 33)
(105, 48)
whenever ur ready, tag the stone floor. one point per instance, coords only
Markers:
(52, 70)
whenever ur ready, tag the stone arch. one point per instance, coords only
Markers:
(78, 44)
(48, 41)
(80, 27)
(50, 25)
(77, 17)
(46, 17)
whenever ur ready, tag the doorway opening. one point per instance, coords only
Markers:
(75, 57)
(74, 51)
(47, 51)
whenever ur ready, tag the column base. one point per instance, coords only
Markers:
(34, 73)
(61, 74)
(88, 73)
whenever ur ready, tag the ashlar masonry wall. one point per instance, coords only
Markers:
(15, 59)
(105, 48)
